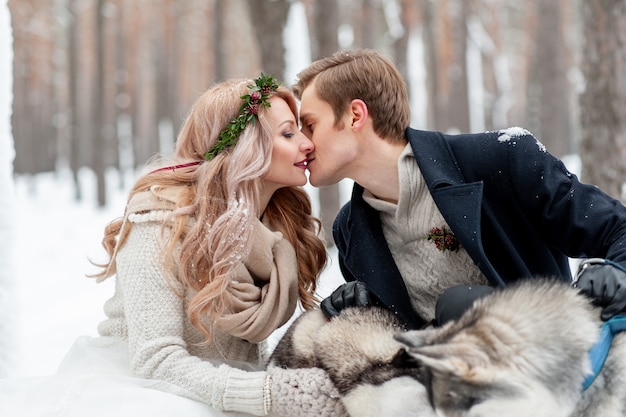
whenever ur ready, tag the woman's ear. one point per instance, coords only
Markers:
(358, 113)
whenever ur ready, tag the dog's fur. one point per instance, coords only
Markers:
(519, 351)
(522, 351)
(363, 360)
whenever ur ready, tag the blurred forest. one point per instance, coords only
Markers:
(106, 83)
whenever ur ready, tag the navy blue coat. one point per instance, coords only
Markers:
(515, 208)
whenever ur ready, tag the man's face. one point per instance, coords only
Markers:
(329, 162)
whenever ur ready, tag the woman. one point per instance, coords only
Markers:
(212, 255)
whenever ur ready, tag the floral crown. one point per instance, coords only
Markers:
(257, 98)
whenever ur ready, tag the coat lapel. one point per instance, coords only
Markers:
(367, 255)
(369, 259)
(459, 202)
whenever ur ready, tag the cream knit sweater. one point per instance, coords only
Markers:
(164, 345)
(426, 271)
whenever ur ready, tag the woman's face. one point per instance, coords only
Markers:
(289, 153)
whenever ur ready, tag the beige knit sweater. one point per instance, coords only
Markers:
(164, 345)
(426, 270)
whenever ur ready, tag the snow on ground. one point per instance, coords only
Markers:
(56, 237)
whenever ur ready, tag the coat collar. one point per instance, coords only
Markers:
(459, 202)
(367, 255)
(433, 152)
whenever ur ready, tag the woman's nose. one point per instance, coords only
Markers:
(307, 145)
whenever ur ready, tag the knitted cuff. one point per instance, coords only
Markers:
(303, 393)
(245, 392)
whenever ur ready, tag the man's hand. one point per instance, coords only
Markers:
(350, 294)
(605, 282)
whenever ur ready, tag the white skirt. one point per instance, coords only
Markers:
(94, 380)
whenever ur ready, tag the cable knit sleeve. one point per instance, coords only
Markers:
(305, 392)
(264, 289)
(156, 320)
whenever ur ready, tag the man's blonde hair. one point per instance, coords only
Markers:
(363, 74)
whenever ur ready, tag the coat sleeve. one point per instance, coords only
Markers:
(579, 219)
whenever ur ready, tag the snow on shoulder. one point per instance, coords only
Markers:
(505, 135)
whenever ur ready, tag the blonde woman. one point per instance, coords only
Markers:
(213, 253)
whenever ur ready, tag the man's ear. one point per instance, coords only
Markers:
(358, 113)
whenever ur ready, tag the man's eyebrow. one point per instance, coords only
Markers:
(304, 116)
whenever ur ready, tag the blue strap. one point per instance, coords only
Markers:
(599, 352)
(615, 264)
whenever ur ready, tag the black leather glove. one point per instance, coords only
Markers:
(456, 300)
(350, 294)
(605, 282)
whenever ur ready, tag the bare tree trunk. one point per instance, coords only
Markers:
(603, 103)
(194, 71)
(74, 139)
(324, 24)
(122, 120)
(324, 43)
(368, 26)
(269, 21)
(33, 108)
(497, 90)
(146, 143)
(408, 19)
(219, 49)
(457, 102)
(429, 29)
(164, 94)
(549, 89)
(445, 43)
(99, 144)
(237, 41)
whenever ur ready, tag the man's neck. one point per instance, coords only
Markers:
(378, 170)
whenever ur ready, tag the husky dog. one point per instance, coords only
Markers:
(521, 351)
(363, 360)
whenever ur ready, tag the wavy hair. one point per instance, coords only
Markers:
(219, 205)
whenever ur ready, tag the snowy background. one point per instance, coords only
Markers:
(7, 206)
(47, 239)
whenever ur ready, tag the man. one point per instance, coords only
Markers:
(434, 214)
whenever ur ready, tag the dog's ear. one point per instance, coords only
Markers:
(465, 362)
(402, 359)
(416, 338)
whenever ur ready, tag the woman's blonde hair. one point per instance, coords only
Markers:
(220, 204)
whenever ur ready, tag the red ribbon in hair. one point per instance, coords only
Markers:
(173, 167)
